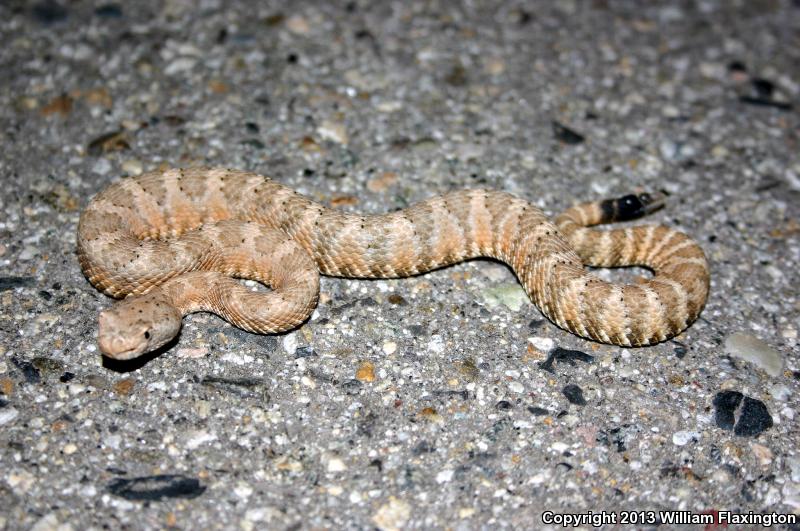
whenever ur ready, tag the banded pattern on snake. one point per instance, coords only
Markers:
(169, 243)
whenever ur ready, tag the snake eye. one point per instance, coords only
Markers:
(147, 334)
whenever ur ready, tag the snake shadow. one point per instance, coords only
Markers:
(125, 366)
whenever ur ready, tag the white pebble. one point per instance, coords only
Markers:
(7, 415)
(516, 387)
(336, 465)
(684, 437)
(101, 167)
(290, 343)
(545, 344)
(333, 131)
(444, 476)
(436, 344)
(197, 438)
(756, 351)
(390, 347)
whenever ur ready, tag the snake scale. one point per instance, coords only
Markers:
(171, 243)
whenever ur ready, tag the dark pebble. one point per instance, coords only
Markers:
(504, 405)
(304, 352)
(108, 142)
(754, 419)
(254, 143)
(352, 387)
(368, 302)
(535, 324)
(49, 12)
(457, 77)
(745, 416)
(241, 387)
(680, 350)
(109, 11)
(269, 343)
(567, 135)
(394, 298)
(47, 366)
(570, 356)
(29, 370)
(417, 330)
(7, 283)
(463, 394)
(538, 411)
(574, 394)
(156, 488)
(424, 447)
(237, 382)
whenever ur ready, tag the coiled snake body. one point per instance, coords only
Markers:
(170, 243)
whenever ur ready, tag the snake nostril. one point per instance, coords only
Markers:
(147, 334)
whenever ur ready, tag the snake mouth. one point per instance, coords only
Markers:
(124, 355)
(110, 348)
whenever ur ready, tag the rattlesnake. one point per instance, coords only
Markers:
(169, 242)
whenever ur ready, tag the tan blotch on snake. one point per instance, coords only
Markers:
(172, 243)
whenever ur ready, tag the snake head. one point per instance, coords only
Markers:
(136, 325)
(631, 206)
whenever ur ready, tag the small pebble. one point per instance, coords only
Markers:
(132, 167)
(28, 252)
(390, 347)
(516, 387)
(682, 438)
(336, 465)
(444, 476)
(304, 352)
(503, 405)
(333, 131)
(762, 453)
(8, 414)
(392, 515)
(544, 344)
(780, 392)
(298, 24)
(101, 166)
(155, 488)
(574, 394)
(197, 438)
(290, 343)
(179, 65)
(511, 295)
(366, 372)
(794, 467)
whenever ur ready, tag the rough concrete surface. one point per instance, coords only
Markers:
(442, 401)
